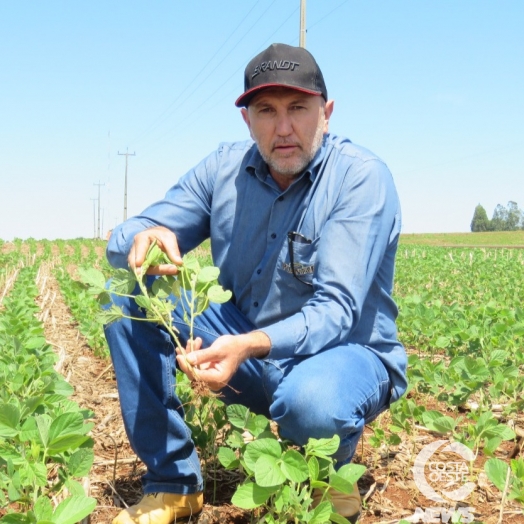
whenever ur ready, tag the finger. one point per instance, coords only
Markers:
(163, 269)
(167, 242)
(194, 344)
(138, 252)
(212, 379)
(185, 367)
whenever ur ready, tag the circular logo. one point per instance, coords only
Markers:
(445, 473)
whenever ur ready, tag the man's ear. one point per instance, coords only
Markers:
(245, 116)
(328, 111)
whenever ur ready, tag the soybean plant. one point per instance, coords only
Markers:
(194, 288)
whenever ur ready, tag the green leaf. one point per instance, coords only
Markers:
(228, 458)
(339, 519)
(29, 431)
(66, 424)
(268, 472)
(15, 518)
(123, 282)
(351, 472)
(237, 415)
(32, 474)
(294, 466)
(80, 462)
(66, 442)
(43, 509)
(208, 274)
(143, 301)
(313, 467)
(235, 440)
(191, 263)
(93, 278)
(251, 496)
(161, 287)
(497, 471)
(218, 294)
(74, 509)
(74, 487)
(323, 447)
(257, 424)
(61, 387)
(435, 421)
(110, 315)
(257, 448)
(442, 342)
(321, 513)
(35, 343)
(501, 431)
(339, 483)
(9, 420)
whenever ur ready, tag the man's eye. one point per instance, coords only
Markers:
(297, 108)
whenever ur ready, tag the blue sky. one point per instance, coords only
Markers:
(436, 89)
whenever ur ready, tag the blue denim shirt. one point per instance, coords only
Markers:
(345, 203)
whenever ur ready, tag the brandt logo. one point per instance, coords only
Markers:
(274, 64)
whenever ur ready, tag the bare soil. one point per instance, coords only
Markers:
(388, 488)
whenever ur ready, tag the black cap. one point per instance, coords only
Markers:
(282, 65)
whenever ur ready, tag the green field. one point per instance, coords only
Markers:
(461, 319)
(489, 239)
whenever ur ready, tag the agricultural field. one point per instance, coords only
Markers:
(64, 454)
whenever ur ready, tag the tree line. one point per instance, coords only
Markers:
(505, 218)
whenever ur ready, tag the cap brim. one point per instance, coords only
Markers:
(244, 99)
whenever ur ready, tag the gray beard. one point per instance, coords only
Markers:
(292, 171)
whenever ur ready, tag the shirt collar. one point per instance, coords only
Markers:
(255, 164)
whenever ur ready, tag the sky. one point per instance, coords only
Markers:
(434, 88)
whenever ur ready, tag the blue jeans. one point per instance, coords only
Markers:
(336, 391)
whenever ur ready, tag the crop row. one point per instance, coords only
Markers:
(44, 445)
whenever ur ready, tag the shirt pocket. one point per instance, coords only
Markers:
(303, 256)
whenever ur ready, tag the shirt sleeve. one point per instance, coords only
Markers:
(363, 225)
(185, 210)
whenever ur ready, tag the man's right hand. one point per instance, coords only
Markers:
(165, 240)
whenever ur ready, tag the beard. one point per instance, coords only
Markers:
(292, 167)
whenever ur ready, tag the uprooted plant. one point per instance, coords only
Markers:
(193, 288)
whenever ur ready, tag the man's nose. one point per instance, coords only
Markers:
(284, 125)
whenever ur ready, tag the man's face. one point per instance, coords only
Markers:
(288, 127)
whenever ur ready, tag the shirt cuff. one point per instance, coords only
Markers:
(286, 337)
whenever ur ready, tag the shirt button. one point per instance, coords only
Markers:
(255, 304)
(259, 271)
(273, 235)
(280, 198)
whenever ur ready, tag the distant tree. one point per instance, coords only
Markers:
(480, 221)
(499, 218)
(508, 218)
(514, 216)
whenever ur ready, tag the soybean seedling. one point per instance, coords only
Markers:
(193, 288)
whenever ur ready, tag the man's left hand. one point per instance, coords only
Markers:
(216, 364)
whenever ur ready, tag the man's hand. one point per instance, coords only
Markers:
(166, 241)
(219, 362)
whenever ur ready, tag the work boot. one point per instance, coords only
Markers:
(161, 508)
(346, 505)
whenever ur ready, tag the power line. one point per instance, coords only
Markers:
(170, 108)
(209, 99)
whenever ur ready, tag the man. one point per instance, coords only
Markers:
(304, 227)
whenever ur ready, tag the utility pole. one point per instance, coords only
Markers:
(126, 154)
(94, 217)
(302, 23)
(98, 229)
